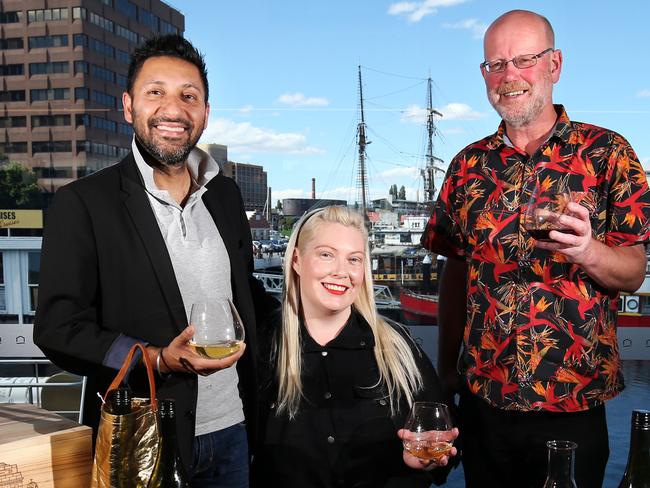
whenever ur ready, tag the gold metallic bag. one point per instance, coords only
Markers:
(127, 445)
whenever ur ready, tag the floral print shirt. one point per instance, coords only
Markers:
(540, 333)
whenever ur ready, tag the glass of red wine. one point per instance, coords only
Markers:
(545, 208)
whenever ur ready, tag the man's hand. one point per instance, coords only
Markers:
(180, 357)
(578, 248)
(426, 464)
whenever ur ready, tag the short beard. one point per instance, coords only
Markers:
(167, 158)
(541, 97)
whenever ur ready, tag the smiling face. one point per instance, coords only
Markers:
(167, 108)
(331, 269)
(522, 97)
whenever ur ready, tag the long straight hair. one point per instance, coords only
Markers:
(398, 371)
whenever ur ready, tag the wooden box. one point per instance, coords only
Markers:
(39, 449)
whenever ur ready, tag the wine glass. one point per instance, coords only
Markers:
(218, 329)
(430, 431)
(543, 213)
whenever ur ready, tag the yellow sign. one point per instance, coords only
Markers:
(21, 219)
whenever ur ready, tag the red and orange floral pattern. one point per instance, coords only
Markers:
(540, 333)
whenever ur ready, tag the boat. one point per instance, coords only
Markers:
(416, 305)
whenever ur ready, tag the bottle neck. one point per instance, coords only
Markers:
(639, 447)
(560, 465)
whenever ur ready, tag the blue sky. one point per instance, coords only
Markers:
(283, 81)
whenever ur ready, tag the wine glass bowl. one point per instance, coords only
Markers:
(543, 213)
(218, 329)
(429, 429)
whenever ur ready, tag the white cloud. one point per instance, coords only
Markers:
(452, 111)
(643, 93)
(246, 109)
(245, 137)
(473, 25)
(645, 162)
(416, 11)
(300, 100)
(409, 171)
(288, 193)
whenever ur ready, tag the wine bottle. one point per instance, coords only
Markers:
(559, 473)
(119, 401)
(637, 471)
(168, 472)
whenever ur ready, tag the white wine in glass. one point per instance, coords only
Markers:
(430, 431)
(218, 329)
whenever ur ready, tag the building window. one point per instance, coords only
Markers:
(10, 17)
(13, 147)
(12, 69)
(103, 73)
(33, 270)
(123, 151)
(79, 13)
(80, 40)
(82, 119)
(36, 42)
(121, 80)
(58, 120)
(9, 122)
(104, 124)
(80, 67)
(53, 68)
(127, 34)
(104, 149)
(102, 47)
(127, 8)
(12, 96)
(47, 14)
(104, 99)
(167, 28)
(123, 57)
(102, 22)
(11, 43)
(45, 94)
(81, 93)
(83, 146)
(51, 146)
(126, 129)
(149, 19)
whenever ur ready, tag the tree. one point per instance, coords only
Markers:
(18, 188)
(402, 193)
(279, 205)
(393, 191)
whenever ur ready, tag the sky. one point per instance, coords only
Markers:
(283, 78)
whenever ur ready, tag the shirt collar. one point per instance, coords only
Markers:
(356, 334)
(562, 130)
(201, 165)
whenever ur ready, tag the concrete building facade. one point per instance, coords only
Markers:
(64, 69)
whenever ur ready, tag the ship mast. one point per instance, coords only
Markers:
(362, 182)
(428, 172)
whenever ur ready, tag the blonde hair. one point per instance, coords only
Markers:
(398, 370)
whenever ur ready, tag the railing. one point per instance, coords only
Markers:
(273, 283)
(36, 390)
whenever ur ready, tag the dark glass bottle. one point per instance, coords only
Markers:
(559, 473)
(169, 472)
(637, 471)
(119, 401)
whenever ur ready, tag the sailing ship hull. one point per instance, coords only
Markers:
(419, 305)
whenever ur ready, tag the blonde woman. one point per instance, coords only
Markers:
(337, 380)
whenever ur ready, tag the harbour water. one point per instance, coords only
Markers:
(619, 410)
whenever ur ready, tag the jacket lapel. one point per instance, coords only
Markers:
(139, 208)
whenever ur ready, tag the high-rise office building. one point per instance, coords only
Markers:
(64, 69)
(251, 180)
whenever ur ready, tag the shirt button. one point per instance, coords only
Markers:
(382, 402)
(330, 439)
(362, 343)
(272, 406)
(327, 395)
(324, 353)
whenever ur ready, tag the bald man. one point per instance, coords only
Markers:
(536, 318)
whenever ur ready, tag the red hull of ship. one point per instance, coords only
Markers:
(419, 304)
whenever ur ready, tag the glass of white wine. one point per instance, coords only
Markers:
(218, 329)
(430, 431)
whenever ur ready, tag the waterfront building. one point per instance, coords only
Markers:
(251, 179)
(64, 69)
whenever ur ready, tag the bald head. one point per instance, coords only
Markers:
(522, 18)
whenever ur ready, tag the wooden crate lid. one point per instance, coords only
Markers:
(23, 421)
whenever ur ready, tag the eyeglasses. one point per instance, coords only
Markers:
(522, 61)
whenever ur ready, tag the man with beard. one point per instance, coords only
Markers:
(126, 252)
(536, 319)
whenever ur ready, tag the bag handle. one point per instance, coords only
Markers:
(125, 367)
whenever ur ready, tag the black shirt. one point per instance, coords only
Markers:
(343, 434)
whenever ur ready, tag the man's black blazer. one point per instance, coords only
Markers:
(105, 271)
